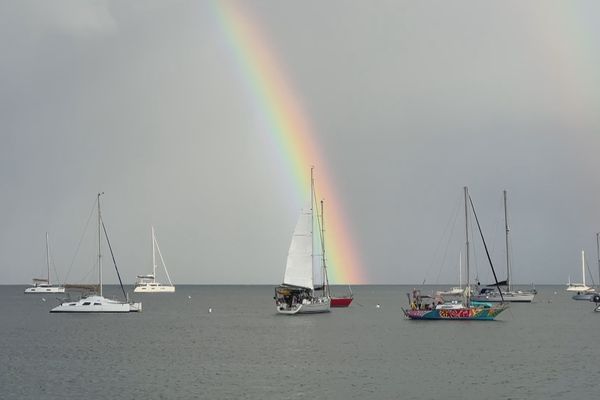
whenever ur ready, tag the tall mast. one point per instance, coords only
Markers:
(312, 217)
(325, 277)
(153, 257)
(598, 250)
(99, 245)
(583, 266)
(48, 257)
(508, 277)
(467, 242)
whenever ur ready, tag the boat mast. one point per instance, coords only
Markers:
(583, 266)
(48, 258)
(99, 244)
(598, 250)
(508, 277)
(468, 288)
(325, 277)
(153, 257)
(312, 219)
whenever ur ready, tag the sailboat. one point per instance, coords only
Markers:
(583, 292)
(421, 308)
(43, 285)
(147, 283)
(491, 293)
(456, 291)
(305, 288)
(97, 303)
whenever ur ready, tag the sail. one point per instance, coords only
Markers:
(299, 267)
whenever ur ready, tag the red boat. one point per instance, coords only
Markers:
(341, 301)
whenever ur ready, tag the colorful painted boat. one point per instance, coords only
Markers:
(442, 312)
(434, 308)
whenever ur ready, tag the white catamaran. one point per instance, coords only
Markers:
(305, 287)
(43, 285)
(147, 283)
(583, 291)
(490, 293)
(96, 303)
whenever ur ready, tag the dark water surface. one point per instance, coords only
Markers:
(176, 349)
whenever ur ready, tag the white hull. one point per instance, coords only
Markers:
(154, 288)
(513, 297)
(314, 306)
(45, 289)
(97, 304)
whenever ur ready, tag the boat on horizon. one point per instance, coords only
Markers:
(96, 302)
(43, 285)
(491, 293)
(305, 288)
(434, 308)
(582, 291)
(147, 283)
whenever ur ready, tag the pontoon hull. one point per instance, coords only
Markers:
(97, 304)
(44, 289)
(154, 289)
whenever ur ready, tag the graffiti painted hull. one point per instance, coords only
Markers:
(462, 314)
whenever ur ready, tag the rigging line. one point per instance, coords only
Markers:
(439, 244)
(590, 272)
(113, 258)
(81, 240)
(486, 249)
(443, 261)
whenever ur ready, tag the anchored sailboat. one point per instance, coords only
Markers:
(583, 291)
(43, 285)
(147, 283)
(305, 288)
(96, 303)
(491, 293)
(420, 308)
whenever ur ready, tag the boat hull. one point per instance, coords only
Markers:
(463, 314)
(44, 289)
(96, 304)
(320, 305)
(584, 296)
(511, 297)
(154, 289)
(341, 301)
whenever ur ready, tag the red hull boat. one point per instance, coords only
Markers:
(341, 301)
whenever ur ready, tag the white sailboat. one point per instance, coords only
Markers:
(454, 291)
(97, 303)
(305, 288)
(43, 285)
(147, 283)
(583, 291)
(491, 293)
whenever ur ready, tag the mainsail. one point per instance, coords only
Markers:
(299, 267)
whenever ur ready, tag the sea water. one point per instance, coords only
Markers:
(242, 349)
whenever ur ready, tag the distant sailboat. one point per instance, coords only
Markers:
(491, 293)
(96, 303)
(422, 309)
(147, 283)
(43, 285)
(305, 288)
(583, 291)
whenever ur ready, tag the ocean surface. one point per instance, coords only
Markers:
(176, 349)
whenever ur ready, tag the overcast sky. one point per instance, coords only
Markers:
(409, 100)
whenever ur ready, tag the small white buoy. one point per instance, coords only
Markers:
(209, 310)
(189, 297)
(555, 293)
(377, 306)
(44, 299)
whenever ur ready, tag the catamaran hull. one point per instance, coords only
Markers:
(584, 296)
(41, 290)
(512, 297)
(154, 289)
(96, 304)
(466, 314)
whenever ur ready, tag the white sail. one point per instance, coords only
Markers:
(299, 267)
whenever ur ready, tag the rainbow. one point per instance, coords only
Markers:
(289, 130)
